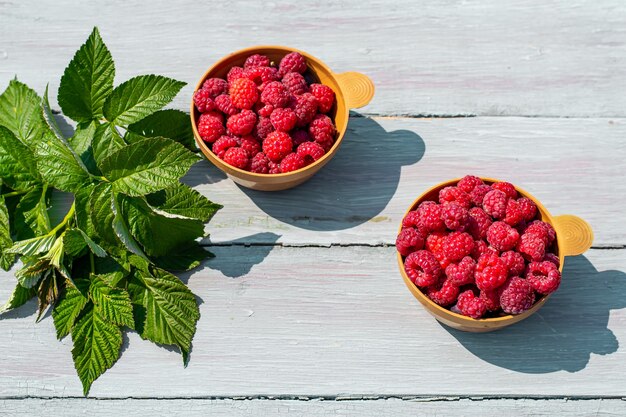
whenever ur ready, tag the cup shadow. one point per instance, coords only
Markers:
(354, 187)
(565, 332)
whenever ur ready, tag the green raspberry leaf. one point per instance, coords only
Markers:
(87, 80)
(147, 166)
(106, 141)
(18, 167)
(6, 260)
(182, 200)
(121, 228)
(97, 344)
(101, 213)
(20, 112)
(184, 258)
(18, 298)
(170, 123)
(60, 166)
(81, 142)
(139, 97)
(68, 308)
(31, 214)
(114, 303)
(34, 246)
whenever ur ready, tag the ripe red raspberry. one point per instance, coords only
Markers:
(528, 208)
(210, 128)
(259, 164)
(283, 119)
(251, 145)
(491, 272)
(544, 277)
(292, 162)
(216, 113)
(215, 87)
(445, 295)
(517, 297)
(274, 167)
(292, 62)
(300, 136)
(277, 145)
(322, 129)
(543, 230)
(468, 183)
(203, 101)
(295, 83)
(454, 216)
(462, 273)
(478, 194)
(454, 194)
(325, 97)
(532, 246)
(243, 93)
(514, 214)
(457, 245)
(494, 204)
(237, 157)
(256, 60)
(502, 236)
(470, 305)
(261, 75)
(326, 144)
(506, 187)
(225, 105)
(551, 257)
(492, 298)
(221, 145)
(514, 263)
(434, 243)
(480, 248)
(263, 128)
(275, 94)
(310, 151)
(242, 123)
(305, 108)
(479, 223)
(430, 217)
(234, 74)
(264, 110)
(409, 240)
(422, 268)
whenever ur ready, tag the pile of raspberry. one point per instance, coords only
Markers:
(266, 119)
(480, 250)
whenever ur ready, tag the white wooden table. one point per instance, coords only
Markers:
(303, 309)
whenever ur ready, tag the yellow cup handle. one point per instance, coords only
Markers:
(574, 234)
(357, 88)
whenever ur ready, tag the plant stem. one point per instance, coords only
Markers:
(92, 263)
(14, 193)
(66, 219)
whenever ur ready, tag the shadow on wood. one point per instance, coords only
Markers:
(354, 187)
(234, 259)
(565, 332)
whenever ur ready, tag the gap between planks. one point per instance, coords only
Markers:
(348, 245)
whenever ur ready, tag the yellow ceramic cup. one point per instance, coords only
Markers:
(573, 237)
(352, 90)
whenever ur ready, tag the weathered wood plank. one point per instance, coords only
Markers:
(381, 408)
(525, 57)
(573, 166)
(334, 321)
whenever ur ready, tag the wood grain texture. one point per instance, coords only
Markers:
(339, 321)
(522, 57)
(573, 166)
(255, 408)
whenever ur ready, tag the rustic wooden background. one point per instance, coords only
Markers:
(303, 310)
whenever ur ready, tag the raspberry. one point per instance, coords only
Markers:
(225, 105)
(292, 162)
(422, 268)
(532, 246)
(243, 93)
(274, 167)
(544, 277)
(242, 123)
(221, 145)
(551, 257)
(264, 110)
(506, 187)
(326, 144)
(454, 216)
(215, 87)
(292, 62)
(492, 298)
(263, 128)
(234, 74)
(542, 229)
(478, 194)
(502, 236)
(277, 145)
(203, 101)
(468, 183)
(305, 108)
(259, 164)
(494, 204)
(528, 208)
(283, 119)
(275, 94)
(470, 305)
(457, 245)
(237, 157)
(513, 212)
(454, 194)
(325, 97)
(310, 151)
(517, 297)
(300, 136)
(251, 145)
(430, 217)
(322, 129)
(480, 248)
(514, 263)
(295, 83)
(479, 223)
(461, 273)
(491, 272)
(256, 60)
(217, 114)
(261, 75)
(434, 243)
(409, 240)
(210, 128)
(445, 295)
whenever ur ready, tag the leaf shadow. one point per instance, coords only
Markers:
(24, 311)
